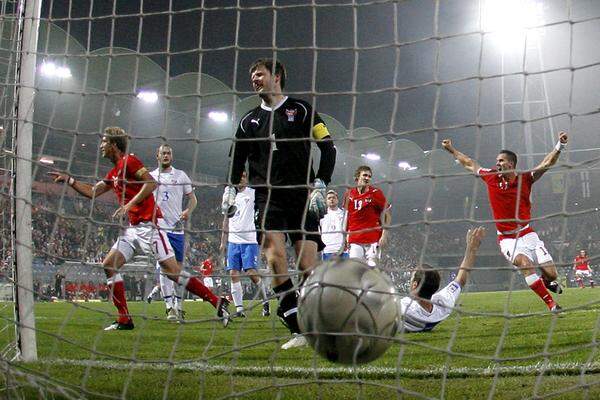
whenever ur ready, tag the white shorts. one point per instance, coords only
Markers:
(147, 238)
(208, 282)
(529, 245)
(367, 252)
(583, 273)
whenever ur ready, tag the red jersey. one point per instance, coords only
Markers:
(510, 202)
(581, 263)
(124, 178)
(207, 267)
(364, 214)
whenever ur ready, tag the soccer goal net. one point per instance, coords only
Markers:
(390, 80)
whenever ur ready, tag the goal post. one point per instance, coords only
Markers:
(28, 24)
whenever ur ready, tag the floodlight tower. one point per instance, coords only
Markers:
(512, 24)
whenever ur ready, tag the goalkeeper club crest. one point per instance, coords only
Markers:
(291, 114)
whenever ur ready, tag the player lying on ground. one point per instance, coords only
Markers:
(426, 306)
(239, 240)
(509, 195)
(275, 139)
(133, 186)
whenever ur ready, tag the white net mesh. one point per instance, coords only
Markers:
(390, 79)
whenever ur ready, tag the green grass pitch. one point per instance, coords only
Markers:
(538, 354)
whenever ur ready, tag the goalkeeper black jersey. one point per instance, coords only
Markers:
(278, 151)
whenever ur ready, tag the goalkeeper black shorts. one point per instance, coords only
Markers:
(286, 210)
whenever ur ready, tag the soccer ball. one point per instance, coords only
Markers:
(348, 311)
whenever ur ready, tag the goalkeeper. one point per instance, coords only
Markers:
(275, 139)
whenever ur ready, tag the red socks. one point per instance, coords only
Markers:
(195, 286)
(117, 290)
(537, 285)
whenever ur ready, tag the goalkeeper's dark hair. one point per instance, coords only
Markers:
(428, 281)
(117, 136)
(512, 156)
(268, 64)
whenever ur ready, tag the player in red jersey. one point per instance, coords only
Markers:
(133, 185)
(368, 215)
(581, 267)
(207, 269)
(509, 194)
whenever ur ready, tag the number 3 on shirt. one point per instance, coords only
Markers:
(165, 196)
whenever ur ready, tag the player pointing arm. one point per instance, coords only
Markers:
(133, 186)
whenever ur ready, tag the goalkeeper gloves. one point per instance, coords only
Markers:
(228, 204)
(318, 203)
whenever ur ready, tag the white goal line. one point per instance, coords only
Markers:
(573, 368)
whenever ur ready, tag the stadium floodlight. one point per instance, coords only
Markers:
(218, 116)
(511, 19)
(406, 166)
(148, 96)
(47, 160)
(371, 156)
(52, 70)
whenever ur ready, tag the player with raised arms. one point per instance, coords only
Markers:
(367, 217)
(173, 186)
(133, 186)
(239, 240)
(581, 267)
(509, 194)
(275, 139)
(427, 306)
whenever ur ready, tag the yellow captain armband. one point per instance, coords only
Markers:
(140, 173)
(319, 131)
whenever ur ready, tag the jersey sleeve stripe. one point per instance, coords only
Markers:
(305, 111)
(242, 122)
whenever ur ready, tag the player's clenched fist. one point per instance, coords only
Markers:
(563, 137)
(447, 144)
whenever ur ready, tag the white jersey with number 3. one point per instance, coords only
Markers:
(172, 186)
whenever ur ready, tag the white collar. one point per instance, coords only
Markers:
(264, 105)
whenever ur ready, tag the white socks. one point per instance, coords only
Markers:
(167, 289)
(238, 294)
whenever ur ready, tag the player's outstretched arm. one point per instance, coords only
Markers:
(84, 189)
(464, 160)
(552, 157)
(474, 238)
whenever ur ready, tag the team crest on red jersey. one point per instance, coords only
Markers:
(291, 114)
